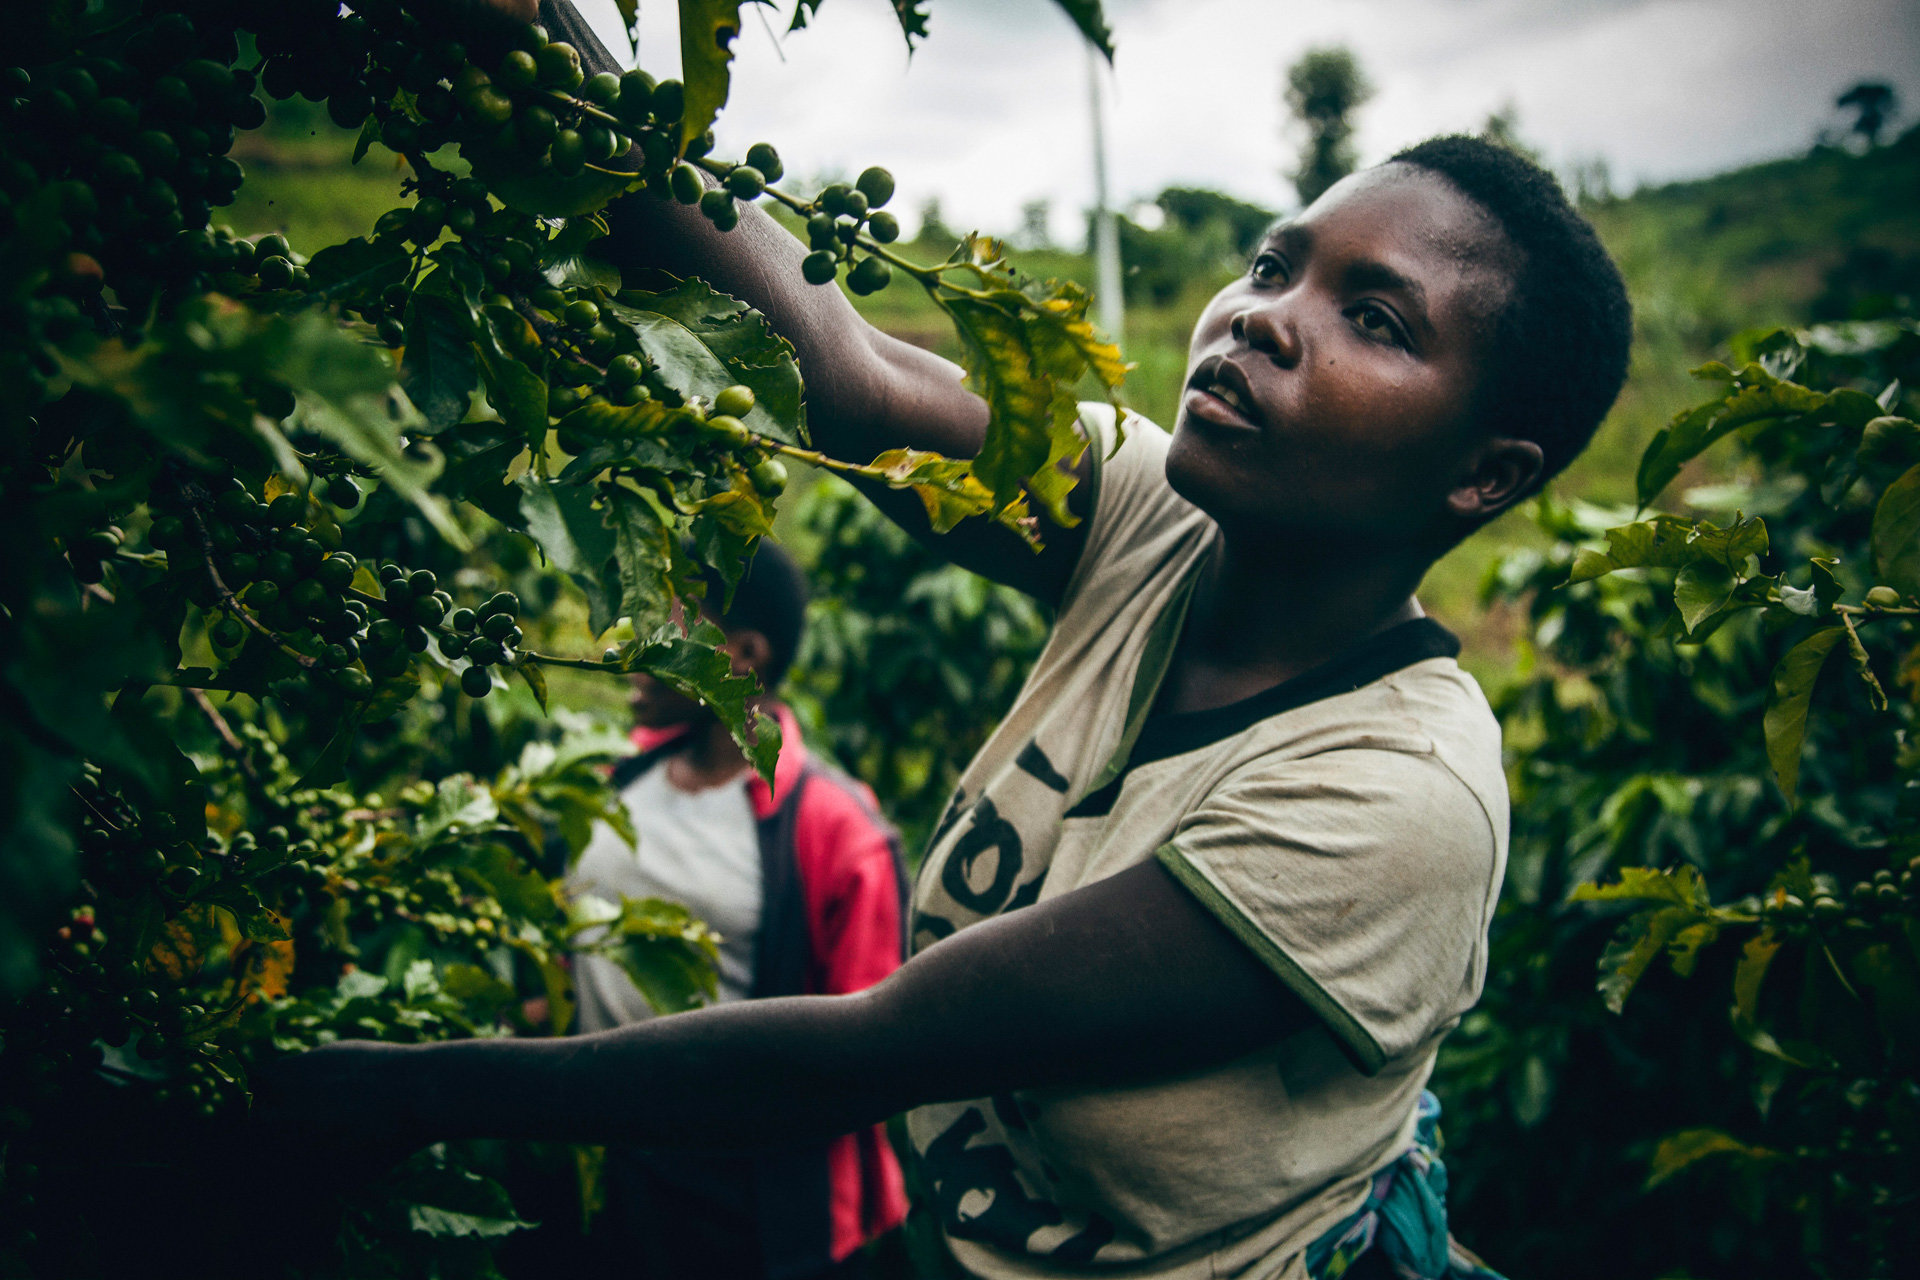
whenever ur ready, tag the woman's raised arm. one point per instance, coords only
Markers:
(1126, 979)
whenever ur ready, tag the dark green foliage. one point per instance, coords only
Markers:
(1206, 236)
(1686, 780)
(272, 617)
(908, 662)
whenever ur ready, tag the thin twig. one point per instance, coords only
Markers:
(194, 494)
(218, 721)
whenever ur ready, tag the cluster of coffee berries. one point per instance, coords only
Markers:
(538, 108)
(1879, 898)
(109, 155)
(486, 637)
(839, 213)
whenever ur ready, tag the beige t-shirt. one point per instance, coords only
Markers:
(1350, 826)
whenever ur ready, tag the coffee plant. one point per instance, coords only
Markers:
(230, 468)
(1714, 761)
(908, 661)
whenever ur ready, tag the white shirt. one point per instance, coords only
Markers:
(700, 848)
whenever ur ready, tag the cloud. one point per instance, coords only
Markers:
(992, 110)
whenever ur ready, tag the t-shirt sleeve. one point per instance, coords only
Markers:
(1361, 877)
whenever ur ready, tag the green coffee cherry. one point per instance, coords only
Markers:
(669, 101)
(601, 90)
(685, 182)
(729, 428)
(769, 476)
(735, 401)
(820, 267)
(876, 184)
(517, 70)
(625, 370)
(558, 65)
(1883, 598)
(746, 182)
(636, 96)
(489, 106)
(720, 209)
(869, 275)
(883, 227)
(763, 157)
(475, 682)
(536, 128)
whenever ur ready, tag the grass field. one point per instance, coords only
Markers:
(1702, 261)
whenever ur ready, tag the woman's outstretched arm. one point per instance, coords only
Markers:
(1127, 979)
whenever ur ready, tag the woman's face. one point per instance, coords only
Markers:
(1329, 389)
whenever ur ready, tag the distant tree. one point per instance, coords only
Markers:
(1036, 225)
(1323, 91)
(1873, 104)
(1192, 208)
(1592, 181)
(1503, 129)
(933, 225)
(1202, 241)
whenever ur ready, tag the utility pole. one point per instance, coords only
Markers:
(1106, 231)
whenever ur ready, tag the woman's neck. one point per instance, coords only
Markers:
(709, 758)
(1266, 610)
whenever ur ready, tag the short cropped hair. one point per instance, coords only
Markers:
(771, 598)
(1558, 352)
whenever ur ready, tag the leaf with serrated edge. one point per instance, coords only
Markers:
(1680, 885)
(1755, 396)
(1087, 16)
(1636, 946)
(643, 549)
(739, 337)
(1669, 542)
(693, 665)
(700, 358)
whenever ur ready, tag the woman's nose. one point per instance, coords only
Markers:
(1268, 329)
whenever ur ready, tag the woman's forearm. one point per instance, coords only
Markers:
(749, 1074)
(1126, 979)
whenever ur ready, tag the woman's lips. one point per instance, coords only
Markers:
(1219, 393)
(1216, 410)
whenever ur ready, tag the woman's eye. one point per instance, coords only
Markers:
(1269, 266)
(1378, 322)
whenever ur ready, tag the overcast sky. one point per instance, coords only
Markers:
(992, 111)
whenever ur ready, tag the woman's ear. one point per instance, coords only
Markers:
(1502, 470)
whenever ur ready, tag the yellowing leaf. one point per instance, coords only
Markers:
(1690, 1146)
(182, 944)
(1681, 885)
(266, 968)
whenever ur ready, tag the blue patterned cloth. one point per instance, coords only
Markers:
(1405, 1217)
